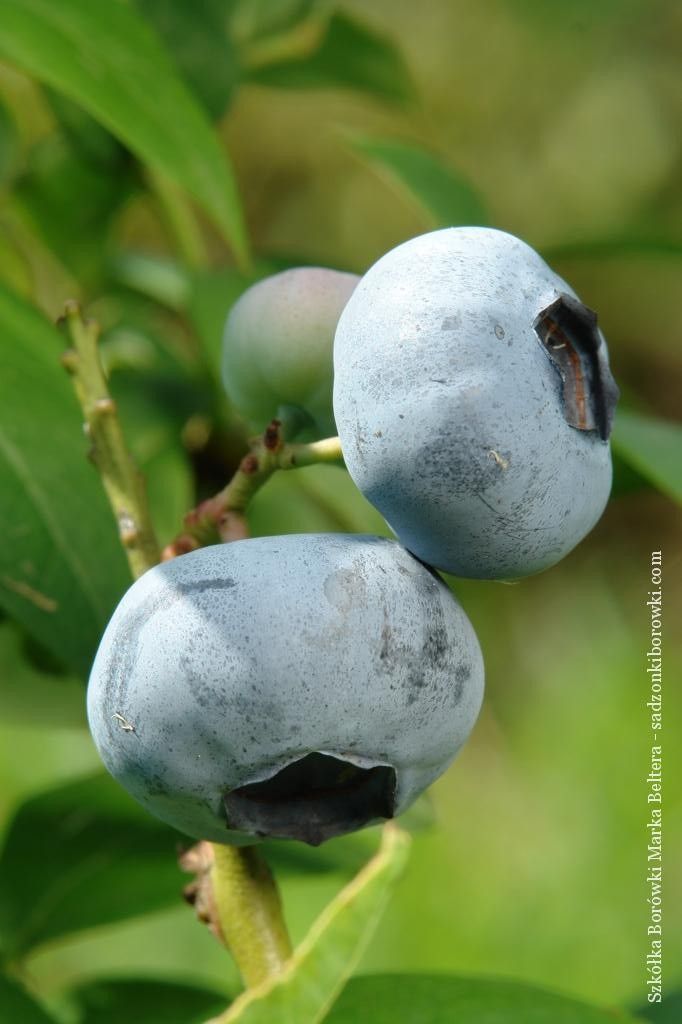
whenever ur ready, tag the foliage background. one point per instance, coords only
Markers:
(560, 122)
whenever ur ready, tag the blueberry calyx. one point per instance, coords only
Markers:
(313, 799)
(569, 333)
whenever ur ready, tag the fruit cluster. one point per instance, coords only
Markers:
(304, 686)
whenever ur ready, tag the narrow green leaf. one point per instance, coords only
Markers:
(259, 19)
(446, 196)
(62, 570)
(653, 448)
(149, 1002)
(350, 56)
(81, 855)
(307, 987)
(106, 58)
(445, 999)
(164, 281)
(197, 36)
(18, 1007)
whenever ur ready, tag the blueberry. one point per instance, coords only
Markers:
(474, 401)
(277, 346)
(298, 686)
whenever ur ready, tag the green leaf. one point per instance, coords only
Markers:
(668, 1011)
(154, 405)
(106, 58)
(170, 487)
(444, 999)
(351, 56)
(81, 855)
(9, 144)
(626, 479)
(653, 448)
(445, 195)
(197, 36)
(213, 294)
(14, 268)
(617, 247)
(149, 1002)
(257, 19)
(158, 391)
(162, 280)
(70, 203)
(18, 1007)
(31, 689)
(312, 979)
(88, 138)
(62, 570)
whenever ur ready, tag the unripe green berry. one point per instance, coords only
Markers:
(277, 346)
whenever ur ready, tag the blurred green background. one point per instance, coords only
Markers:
(352, 127)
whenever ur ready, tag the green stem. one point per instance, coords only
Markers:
(299, 455)
(123, 483)
(246, 899)
(249, 910)
(223, 517)
(264, 460)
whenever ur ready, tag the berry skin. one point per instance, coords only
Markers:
(474, 401)
(277, 346)
(299, 686)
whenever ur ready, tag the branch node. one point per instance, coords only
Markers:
(233, 525)
(104, 406)
(69, 357)
(128, 529)
(223, 517)
(272, 437)
(249, 464)
(108, 451)
(182, 545)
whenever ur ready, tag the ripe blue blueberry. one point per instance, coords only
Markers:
(299, 686)
(474, 401)
(277, 347)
